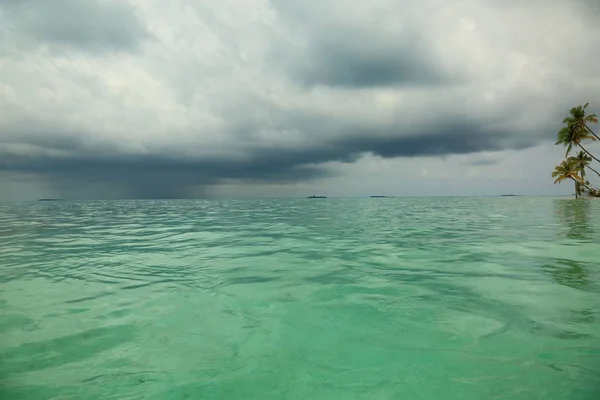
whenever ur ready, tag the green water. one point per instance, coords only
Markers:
(440, 298)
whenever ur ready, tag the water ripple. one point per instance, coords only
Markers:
(464, 298)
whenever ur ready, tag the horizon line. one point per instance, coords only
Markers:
(378, 197)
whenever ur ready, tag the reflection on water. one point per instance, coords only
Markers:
(575, 217)
(569, 273)
(585, 316)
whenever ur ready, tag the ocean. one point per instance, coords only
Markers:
(387, 298)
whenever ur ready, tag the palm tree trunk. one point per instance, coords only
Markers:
(597, 173)
(587, 152)
(582, 184)
(582, 173)
(591, 131)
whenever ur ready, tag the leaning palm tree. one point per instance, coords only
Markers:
(580, 121)
(570, 136)
(582, 161)
(568, 170)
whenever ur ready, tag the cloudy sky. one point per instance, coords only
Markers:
(270, 98)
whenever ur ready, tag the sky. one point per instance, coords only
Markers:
(288, 98)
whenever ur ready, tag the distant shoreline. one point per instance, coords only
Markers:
(43, 200)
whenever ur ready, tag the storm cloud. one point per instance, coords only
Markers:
(176, 99)
(370, 49)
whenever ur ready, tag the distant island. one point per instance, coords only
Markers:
(316, 197)
(49, 199)
(379, 197)
(508, 195)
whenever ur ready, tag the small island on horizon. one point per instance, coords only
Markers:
(316, 197)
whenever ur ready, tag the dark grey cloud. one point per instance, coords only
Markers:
(162, 176)
(344, 62)
(93, 25)
(157, 176)
(333, 52)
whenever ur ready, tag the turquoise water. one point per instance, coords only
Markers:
(438, 298)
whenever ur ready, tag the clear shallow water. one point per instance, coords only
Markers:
(440, 298)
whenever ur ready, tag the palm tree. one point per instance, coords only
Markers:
(576, 131)
(568, 170)
(580, 121)
(570, 136)
(582, 161)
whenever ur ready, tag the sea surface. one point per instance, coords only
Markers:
(388, 298)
